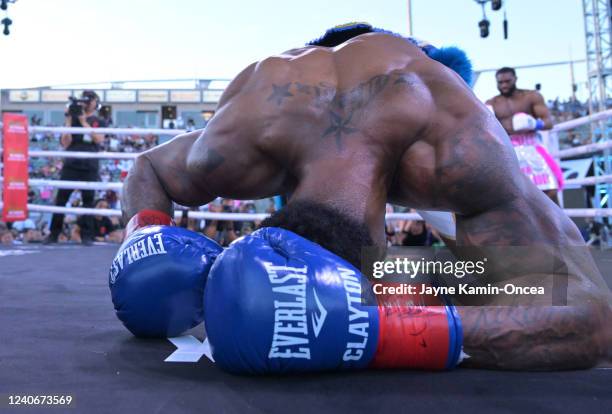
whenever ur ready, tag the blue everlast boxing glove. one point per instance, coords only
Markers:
(157, 280)
(278, 303)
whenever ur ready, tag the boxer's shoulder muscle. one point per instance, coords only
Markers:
(227, 155)
(463, 161)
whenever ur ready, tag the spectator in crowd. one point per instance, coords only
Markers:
(415, 233)
(392, 227)
(222, 231)
(27, 232)
(271, 207)
(35, 120)
(596, 233)
(6, 235)
(112, 199)
(104, 230)
(188, 222)
(191, 126)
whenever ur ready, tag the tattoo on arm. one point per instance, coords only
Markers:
(528, 337)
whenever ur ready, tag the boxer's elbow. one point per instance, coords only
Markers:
(144, 189)
(587, 343)
(194, 164)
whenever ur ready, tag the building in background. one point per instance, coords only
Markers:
(146, 104)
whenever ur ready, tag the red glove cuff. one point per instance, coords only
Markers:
(413, 332)
(146, 218)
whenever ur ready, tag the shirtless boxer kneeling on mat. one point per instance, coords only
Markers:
(359, 119)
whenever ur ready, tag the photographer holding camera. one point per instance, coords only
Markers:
(80, 113)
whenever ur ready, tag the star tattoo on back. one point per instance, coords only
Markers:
(279, 93)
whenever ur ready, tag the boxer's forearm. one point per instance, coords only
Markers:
(530, 243)
(143, 190)
(538, 338)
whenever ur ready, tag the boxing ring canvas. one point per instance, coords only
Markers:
(59, 336)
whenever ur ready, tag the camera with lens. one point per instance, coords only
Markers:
(76, 106)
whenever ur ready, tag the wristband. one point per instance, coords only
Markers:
(539, 124)
(146, 218)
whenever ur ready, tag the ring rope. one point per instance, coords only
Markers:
(84, 155)
(583, 149)
(563, 126)
(566, 153)
(115, 131)
(571, 212)
(567, 125)
(98, 185)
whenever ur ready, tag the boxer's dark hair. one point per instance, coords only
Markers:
(324, 225)
(506, 69)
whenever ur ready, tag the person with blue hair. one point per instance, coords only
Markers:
(356, 119)
(450, 56)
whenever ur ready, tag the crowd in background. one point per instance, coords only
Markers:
(109, 229)
(563, 111)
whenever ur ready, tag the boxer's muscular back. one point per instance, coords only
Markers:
(371, 121)
(353, 126)
(323, 124)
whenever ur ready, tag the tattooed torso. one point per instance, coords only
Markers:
(370, 122)
(335, 125)
(376, 121)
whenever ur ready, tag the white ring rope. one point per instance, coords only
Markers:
(571, 212)
(111, 131)
(73, 185)
(602, 179)
(582, 150)
(567, 125)
(202, 215)
(588, 212)
(564, 126)
(98, 185)
(84, 185)
(84, 155)
(566, 153)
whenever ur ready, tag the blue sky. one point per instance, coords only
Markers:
(70, 41)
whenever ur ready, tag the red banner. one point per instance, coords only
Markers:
(15, 159)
